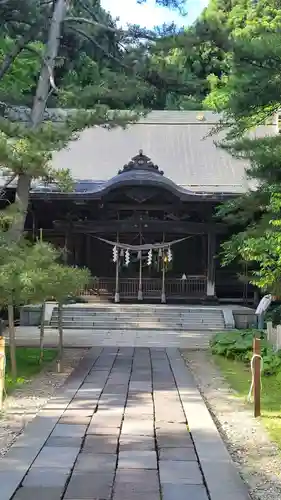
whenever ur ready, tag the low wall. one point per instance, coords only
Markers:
(244, 319)
(30, 315)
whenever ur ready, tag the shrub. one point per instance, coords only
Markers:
(274, 315)
(238, 345)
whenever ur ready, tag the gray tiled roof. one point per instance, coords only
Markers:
(174, 140)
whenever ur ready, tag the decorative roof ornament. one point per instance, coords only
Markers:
(141, 162)
(201, 117)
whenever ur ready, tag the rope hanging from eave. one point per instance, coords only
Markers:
(147, 246)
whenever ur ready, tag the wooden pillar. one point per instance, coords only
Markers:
(140, 294)
(65, 249)
(88, 251)
(211, 292)
(78, 249)
(117, 281)
(163, 293)
(117, 293)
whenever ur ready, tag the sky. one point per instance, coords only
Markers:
(148, 15)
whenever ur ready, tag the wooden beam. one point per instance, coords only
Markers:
(172, 227)
(168, 207)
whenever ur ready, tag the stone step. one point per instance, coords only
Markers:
(219, 325)
(119, 312)
(128, 319)
(143, 324)
(115, 315)
(139, 317)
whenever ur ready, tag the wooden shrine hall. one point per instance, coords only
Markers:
(141, 215)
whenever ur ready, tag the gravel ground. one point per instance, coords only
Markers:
(24, 403)
(251, 449)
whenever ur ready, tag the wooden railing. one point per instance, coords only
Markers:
(193, 286)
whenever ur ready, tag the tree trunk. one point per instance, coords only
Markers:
(12, 340)
(53, 44)
(60, 359)
(38, 109)
(22, 200)
(42, 331)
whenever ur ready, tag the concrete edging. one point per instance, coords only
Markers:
(222, 478)
(16, 463)
(228, 318)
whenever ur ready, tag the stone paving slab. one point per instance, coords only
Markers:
(137, 459)
(68, 430)
(76, 417)
(96, 463)
(123, 428)
(40, 493)
(57, 457)
(177, 472)
(72, 442)
(100, 444)
(183, 492)
(136, 442)
(47, 477)
(178, 454)
(90, 486)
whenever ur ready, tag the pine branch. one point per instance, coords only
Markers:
(88, 10)
(96, 44)
(84, 20)
(19, 46)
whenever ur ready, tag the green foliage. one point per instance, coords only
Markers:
(19, 83)
(251, 43)
(23, 268)
(260, 246)
(274, 315)
(67, 281)
(238, 345)
(27, 364)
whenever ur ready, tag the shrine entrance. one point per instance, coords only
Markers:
(155, 269)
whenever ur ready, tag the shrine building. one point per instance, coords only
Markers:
(142, 214)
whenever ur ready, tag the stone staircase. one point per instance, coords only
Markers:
(141, 317)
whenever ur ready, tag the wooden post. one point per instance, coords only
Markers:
(117, 293)
(140, 294)
(257, 377)
(2, 369)
(269, 329)
(163, 292)
(117, 280)
(211, 292)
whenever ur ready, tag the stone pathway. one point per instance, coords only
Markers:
(120, 430)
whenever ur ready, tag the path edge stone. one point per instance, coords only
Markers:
(18, 460)
(222, 478)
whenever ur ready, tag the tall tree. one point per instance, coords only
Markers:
(249, 98)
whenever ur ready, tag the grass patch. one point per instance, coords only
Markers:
(27, 364)
(238, 376)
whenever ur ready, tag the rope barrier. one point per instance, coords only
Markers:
(249, 397)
